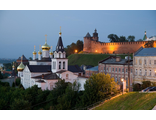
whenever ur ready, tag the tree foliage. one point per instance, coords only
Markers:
(97, 87)
(115, 38)
(70, 49)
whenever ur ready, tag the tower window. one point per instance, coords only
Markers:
(63, 65)
(54, 65)
(59, 65)
(59, 55)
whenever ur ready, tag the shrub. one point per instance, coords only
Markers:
(13, 84)
(18, 81)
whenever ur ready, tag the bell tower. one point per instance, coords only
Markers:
(59, 62)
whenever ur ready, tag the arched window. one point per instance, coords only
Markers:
(59, 65)
(140, 62)
(63, 65)
(59, 55)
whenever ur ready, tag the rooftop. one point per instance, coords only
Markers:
(146, 52)
(93, 68)
(39, 68)
(50, 76)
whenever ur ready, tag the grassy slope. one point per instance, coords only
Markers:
(87, 59)
(130, 101)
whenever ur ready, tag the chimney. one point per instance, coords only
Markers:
(42, 76)
(118, 59)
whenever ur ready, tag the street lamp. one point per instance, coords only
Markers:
(75, 51)
(122, 85)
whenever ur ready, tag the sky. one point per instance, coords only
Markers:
(20, 30)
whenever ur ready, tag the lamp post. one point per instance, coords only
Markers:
(122, 85)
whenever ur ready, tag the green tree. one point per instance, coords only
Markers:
(18, 81)
(20, 104)
(30, 58)
(131, 38)
(123, 39)
(68, 100)
(113, 38)
(13, 84)
(97, 87)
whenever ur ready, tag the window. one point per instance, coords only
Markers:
(145, 72)
(109, 69)
(150, 62)
(119, 69)
(150, 73)
(140, 62)
(122, 69)
(131, 70)
(104, 69)
(112, 69)
(59, 55)
(59, 65)
(145, 62)
(116, 79)
(116, 70)
(136, 72)
(119, 79)
(126, 70)
(136, 61)
(63, 65)
(54, 65)
(154, 62)
(140, 72)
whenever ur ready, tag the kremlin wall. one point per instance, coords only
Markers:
(92, 45)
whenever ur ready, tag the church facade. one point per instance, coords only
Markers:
(46, 70)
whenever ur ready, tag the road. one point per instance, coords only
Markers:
(9, 80)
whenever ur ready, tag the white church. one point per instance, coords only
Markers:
(46, 70)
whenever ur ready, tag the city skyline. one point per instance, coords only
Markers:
(21, 30)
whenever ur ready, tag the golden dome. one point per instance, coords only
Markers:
(34, 52)
(39, 52)
(51, 53)
(45, 46)
(20, 67)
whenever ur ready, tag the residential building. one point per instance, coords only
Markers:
(117, 68)
(144, 65)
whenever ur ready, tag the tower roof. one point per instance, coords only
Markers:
(59, 46)
(88, 35)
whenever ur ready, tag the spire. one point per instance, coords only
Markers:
(45, 38)
(21, 66)
(59, 46)
(145, 36)
(34, 53)
(51, 53)
(39, 52)
(88, 35)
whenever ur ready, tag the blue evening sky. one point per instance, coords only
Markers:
(20, 30)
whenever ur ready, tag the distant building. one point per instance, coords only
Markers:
(24, 60)
(144, 64)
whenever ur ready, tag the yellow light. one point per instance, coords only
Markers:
(122, 79)
(155, 71)
(95, 50)
(75, 51)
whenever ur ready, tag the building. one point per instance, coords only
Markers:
(46, 70)
(144, 64)
(93, 45)
(90, 71)
(117, 68)
(24, 60)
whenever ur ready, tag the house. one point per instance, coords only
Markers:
(144, 64)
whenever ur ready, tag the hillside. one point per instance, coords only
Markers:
(88, 59)
(130, 101)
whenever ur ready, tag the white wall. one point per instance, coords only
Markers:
(81, 81)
